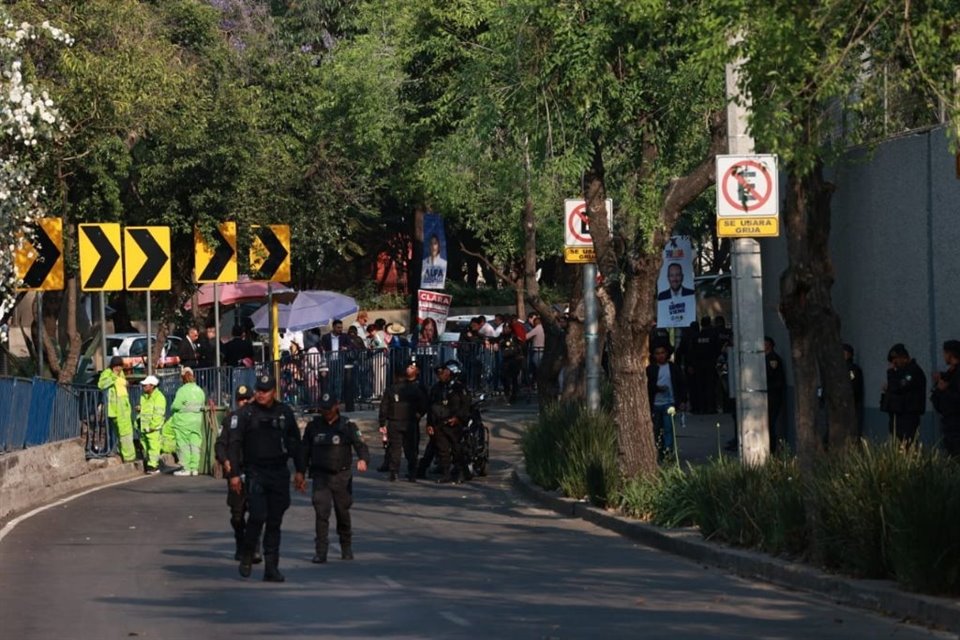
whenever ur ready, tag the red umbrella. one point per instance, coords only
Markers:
(244, 290)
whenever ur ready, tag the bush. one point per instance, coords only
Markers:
(758, 507)
(922, 517)
(574, 450)
(589, 467)
(846, 495)
(665, 499)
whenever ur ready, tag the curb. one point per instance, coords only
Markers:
(882, 596)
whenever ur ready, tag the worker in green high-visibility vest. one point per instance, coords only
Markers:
(119, 413)
(187, 422)
(153, 410)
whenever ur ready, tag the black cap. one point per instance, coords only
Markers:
(244, 392)
(116, 361)
(952, 346)
(328, 401)
(848, 348)
(265, 383)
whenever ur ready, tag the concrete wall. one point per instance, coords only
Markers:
(894, 242)
(38, 475)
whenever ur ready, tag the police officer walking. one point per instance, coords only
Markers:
(236, 501)
(326, 452)
(449, 411)
(401, 408)
(265, 437)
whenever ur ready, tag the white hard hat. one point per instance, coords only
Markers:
(151, 380)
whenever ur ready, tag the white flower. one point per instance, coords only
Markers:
(672, 411)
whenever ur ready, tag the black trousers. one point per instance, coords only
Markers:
(449, 448)
(951, 434)
(511, 377)
(403, 437)
(268, 497)
(904, 425)
(333, 490)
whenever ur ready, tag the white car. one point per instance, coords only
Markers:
(132, 347)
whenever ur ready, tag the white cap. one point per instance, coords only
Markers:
(150, 380)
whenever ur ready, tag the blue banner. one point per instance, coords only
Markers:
(433, 274)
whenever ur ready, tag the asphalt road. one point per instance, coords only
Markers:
(153, 558)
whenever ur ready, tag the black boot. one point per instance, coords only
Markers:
(321, 555)
(246, 564)
(393, 476)
(257, 558)
(346, 551)
(270, 571)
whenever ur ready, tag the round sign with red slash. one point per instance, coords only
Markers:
(577, 222)
(751, 178)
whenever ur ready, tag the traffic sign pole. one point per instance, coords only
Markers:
(149, 346)
(40, 334)
(591, 333)
(749, 364)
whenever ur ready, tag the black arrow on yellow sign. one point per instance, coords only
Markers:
(43, 256)
(156, 259)
(271, 265)
(108, 256)
(222, 256)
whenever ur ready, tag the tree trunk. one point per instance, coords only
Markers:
(73, 351)
(807, 308)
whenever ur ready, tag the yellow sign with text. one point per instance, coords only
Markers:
(579, 255)
(748, 227)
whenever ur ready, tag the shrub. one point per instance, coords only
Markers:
(750, 506)
(574, 450)
(846, 494)
(665, 499)
(922, 517)
(543, 444)
(589, 467)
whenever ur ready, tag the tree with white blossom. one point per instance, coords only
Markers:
(29, 123)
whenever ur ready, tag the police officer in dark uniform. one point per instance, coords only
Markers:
(236, 501)
(705, 353)
(904, 394)
(946, 397)
(856, 385)
(265, 437)
(776, 389)
(326, 452)
(449, 411)
(401, 408)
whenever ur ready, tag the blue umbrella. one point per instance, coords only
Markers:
(308, 310)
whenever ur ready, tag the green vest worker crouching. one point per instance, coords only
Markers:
(327, 450)
(265, 437)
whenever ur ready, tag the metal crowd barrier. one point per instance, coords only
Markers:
(57, 412)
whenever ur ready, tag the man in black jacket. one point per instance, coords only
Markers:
(401, 408)
(236, 501)
(776, 390)
(904, 394)
(266, 436)
(666, 388)
(449, 412)
(327, 451)
(946, 398)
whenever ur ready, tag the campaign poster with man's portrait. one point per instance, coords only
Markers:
(676, 297)
(433, 274)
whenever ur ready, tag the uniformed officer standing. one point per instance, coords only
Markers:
(326, 452)
(449, 411)
(401, 408)
(776, 390)
(266, 435)
(236, 501)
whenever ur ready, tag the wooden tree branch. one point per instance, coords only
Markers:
(516, 284)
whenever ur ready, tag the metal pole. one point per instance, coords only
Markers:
(149, 338)
(40, 334)
(750, 364)
(103, 331)
(216, 340)
(591, 330)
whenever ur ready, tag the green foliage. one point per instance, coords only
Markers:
(544, 443)
(922, 517)
(589, 466)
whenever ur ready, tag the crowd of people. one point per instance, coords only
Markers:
(696, 377)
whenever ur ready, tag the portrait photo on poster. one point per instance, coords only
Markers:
(676, 296)
(433, 274)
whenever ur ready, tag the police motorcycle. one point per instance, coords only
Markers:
(475, 439)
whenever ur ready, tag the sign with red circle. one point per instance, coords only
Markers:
(747, 185)
(576, 227)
